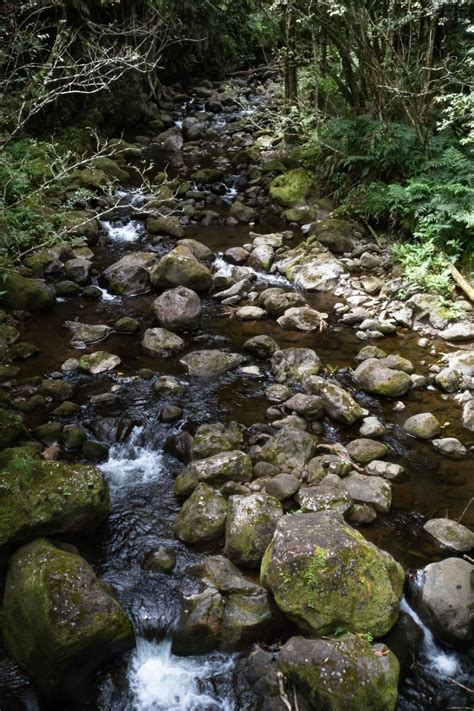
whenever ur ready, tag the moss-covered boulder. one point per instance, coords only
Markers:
(60, 621)
(291, 188)
(181, 268)
(99, 362)
(11, 427)
(19, 292)
(41, 498)
(8, 335)
(216, 438)
(344, 674)
(290, 449)
(295, 365)
(324, 575)
(215, 470)
(202, 517)
(338, 403)
(375, 377)
(250, 525)
(131, 274)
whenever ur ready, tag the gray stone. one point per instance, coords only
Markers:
(450, 447)
(210, 364)
(251, 522)
(450, 534)
(178, 309)
(365, 450)
(162, 343)
(369, 490)
(423, 426)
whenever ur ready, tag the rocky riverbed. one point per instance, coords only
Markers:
(236, 445)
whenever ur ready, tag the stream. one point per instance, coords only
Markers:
(140, 470)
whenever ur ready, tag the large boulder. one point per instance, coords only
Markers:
(250, 525)
(131, 274)
(444, 596)
(202, 517)
(450, 534)
(208, 364)
(216, 470)
(178, 309)
(375, 377)
(162, 343)
(181, 268)
(324, 575)
(40, 497)
(60, 622)
(295, 365)
(19, 292)
(338, 403)
(216, 438)
(291, 188)
(310, 266)
(11, 427)
(290, 449)
(99, 362)
(302, 318)
(343, 674)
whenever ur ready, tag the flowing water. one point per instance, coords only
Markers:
(141, 470)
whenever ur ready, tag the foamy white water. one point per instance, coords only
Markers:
(160, 681)
(130, 464)
(440, 662)
(221, 265)
(129, 232)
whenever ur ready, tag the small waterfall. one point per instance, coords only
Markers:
(440, 663)
(130, 463)
(226, 268)
(160, 681)
(119, 232)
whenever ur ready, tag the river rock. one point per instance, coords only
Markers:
(26, 294)
(261, 258)
(85, 334)
(165, 224)
(289, 449)
(302, 318)
(11, 427)
(131, 274)
(250, 524)
(450, 447)
(201, 251)
(282, 486)
(450, 534)
(292, 187)
(210, 364)
(365, 450)
(178, 309)
(335, 234)
(387, 470)
(276, 301)
(8, 335)
(216, 438)
(423, 426)
(444, 596)
(324, 498)
(60, 621)
(372, 427)
(162, 343)
(311, 407)
(338, 403)
(181, 268)
(202, 516)
(250, 313)
(374, 377)
(78, 270)
(99, 362)
(242, 213)
(468, 415)
(321, 466)
(325, 575)
(463, 331)
(216, 470)
(161, 560)
(343, 674)
(295, 365)
(256, 681)
(310, 268)
(369, 490)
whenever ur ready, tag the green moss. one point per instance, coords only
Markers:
(11, 427)
(19, 292)
(291, 188)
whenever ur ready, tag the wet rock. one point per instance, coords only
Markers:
(361, 515)
(131, 274)
(94, 451)
(73, 436)
(450, 447)
(127, 325)
(165, 224)
(387, 470)
(291, 188)
(460, 332)
(302, 318)
(61, 623)
(202, 516)
(236, 255)
(161, 560)
(289, 449)
(112, 429)
(370, 352)
(468, 415)
(59, 497)
(365, 450)
(250, 313)
(374, 377)
(11, 427)
(78, 270)
(324, 498)
(216, 438)
(311, 407)
(319, 467)
(28, 294)
(429, 308)
(8, 335)
(325, 575)
(178, 309)
(210, 364)
(369, 490)
(282, 486)
(275, 301)
(22, 351)
(180, 446)
(449, 379)
(242, 213)
(372, 427)
(423, 426)
(250, 524)
(66, 409)
(168, 385)
(181, 268)
(450, 534)
(261, 258)
(198, 249)
(278, 393)
(256, 681)
(99, 362)
(217, 469)
(295, 365)
(171, 413)
(162, 343)
(311, 268)
(396, 362)
(444, 596)
(338, 403)
(85, 334)
(334, 234)
(344, 673)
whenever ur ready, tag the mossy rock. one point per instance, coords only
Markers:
(11, 427)
(60, 621)
(207, 175)
(41, 498)
(343, 674)
(19, 292)
(8, 335)
(324, 575)
(202, 517)
(291, 188)
(250, 524)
